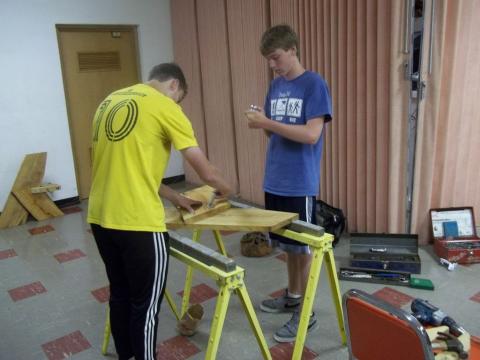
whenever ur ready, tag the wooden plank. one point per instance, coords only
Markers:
(39, 205)
(234, 219)
(30, 174)
(43, 188)
(31, 171)
(13, 213)
(203, 194)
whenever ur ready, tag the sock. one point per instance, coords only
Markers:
(293, 296)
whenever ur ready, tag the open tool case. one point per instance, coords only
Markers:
(394, 252)
(454, 236)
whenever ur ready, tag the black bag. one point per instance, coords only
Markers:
(331, 219)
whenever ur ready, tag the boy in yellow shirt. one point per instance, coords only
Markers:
(133, 131)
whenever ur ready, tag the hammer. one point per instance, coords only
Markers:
(450, 343)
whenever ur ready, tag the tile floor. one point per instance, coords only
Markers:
(53, 293)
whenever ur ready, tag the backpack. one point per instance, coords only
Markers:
(331, 219)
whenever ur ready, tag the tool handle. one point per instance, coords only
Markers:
(453, 327)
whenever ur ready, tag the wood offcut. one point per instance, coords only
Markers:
(23, 198)
(203, 194)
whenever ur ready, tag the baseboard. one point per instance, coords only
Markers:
(67, 202)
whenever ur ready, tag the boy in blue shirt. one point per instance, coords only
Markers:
(297, 106)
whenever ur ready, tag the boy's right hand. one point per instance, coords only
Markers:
(223, 193)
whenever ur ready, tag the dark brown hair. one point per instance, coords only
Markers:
(278, 37)
(167, 71)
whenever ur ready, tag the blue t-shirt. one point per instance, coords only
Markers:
(293, 168)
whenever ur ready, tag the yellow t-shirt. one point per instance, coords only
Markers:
(133, 131)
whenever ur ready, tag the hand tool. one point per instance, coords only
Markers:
(429, 314)
(448, 342)
(450, 265)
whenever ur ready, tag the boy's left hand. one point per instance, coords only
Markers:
(182, 202)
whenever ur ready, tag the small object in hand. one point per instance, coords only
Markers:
(254, 108)
(188, 324)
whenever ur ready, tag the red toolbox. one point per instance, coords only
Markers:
(454, 234)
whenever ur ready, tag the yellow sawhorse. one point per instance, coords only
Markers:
(321, 247)
(189, 275)
(228, 283)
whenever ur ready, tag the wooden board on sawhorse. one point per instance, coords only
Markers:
(230, 280)
(27, 195)
(230, 219)
(320, 244)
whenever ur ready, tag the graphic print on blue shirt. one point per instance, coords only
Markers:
(293, 168)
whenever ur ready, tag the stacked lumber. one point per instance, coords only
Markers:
(29, 195)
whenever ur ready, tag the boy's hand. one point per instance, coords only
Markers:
(186, 203)
(256, 117)
(223, 193)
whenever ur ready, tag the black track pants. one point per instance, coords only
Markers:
(136, 264)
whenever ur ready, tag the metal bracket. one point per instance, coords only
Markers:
(304, 227)
(201, 252)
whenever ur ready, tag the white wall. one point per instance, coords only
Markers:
(33, 115)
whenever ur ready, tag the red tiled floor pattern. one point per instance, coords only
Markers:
(476, 297)
(200, 293)
(64, 347)
(284, 351)
(393, 297)
(282, 257)
(27, 291)
(102, 294)
(71, 210)
(69, 255)
(176, 348)
(5, 254)
(41, 229)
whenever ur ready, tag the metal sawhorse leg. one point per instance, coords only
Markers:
(321, 247)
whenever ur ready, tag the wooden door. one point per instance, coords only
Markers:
(96, 60)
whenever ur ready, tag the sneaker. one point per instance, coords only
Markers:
(288, 332)
(281, 304)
